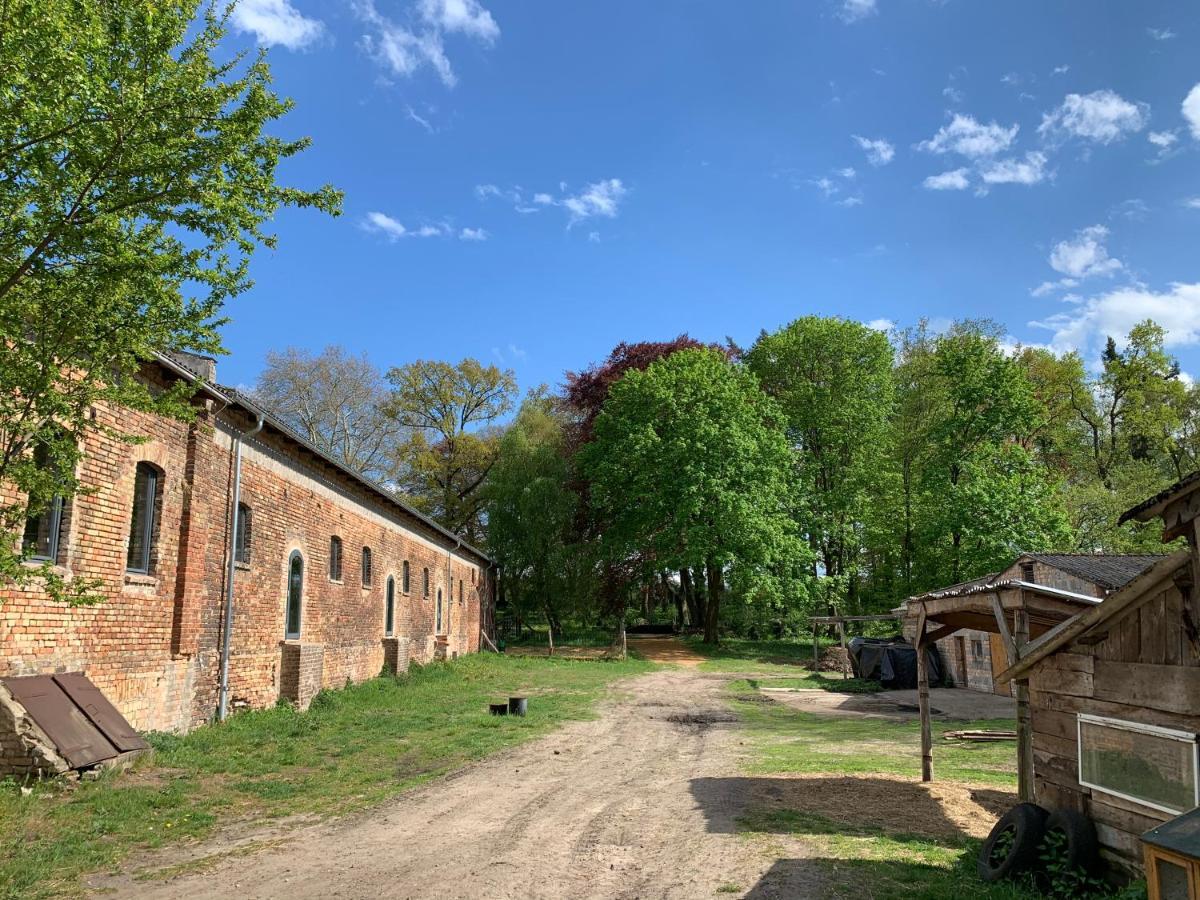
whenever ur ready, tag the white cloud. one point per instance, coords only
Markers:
(953, 94)
(1030, 170)
(954, 180)
(594, 237)
(850, 202)
(420, 120)
(276, 22)
(463, 16)
(1101, 116)
(1084, 255)
(1060, 70)
(1113, 314)
(1160, 34)
(847, 173)
(879, 152)
(385, 225)
(880, 324)
(857, 10)
(543, 199)
(970, 138)
(1191, 110)
(473, 234)
(1192, 202)
(603, 198)
(403, 49)
(1162, 139)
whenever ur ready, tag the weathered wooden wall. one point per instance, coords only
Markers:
(1143, 670)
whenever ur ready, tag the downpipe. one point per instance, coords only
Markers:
(227, 624)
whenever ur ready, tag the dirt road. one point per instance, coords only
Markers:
(639, 803)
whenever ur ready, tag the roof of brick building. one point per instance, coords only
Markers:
(1111, 571)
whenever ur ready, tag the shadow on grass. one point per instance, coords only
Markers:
(870, 879)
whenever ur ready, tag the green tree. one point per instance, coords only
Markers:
(531, 513)
(833, 379)
(450, 411)
(136, 181)
(689, 464)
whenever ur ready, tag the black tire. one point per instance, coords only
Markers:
(1012, 847)
(1081, 850)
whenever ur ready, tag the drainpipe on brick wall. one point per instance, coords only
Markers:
(227, 624)
(450, 583)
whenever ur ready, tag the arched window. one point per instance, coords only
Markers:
(438, 624)
(241, 535)
(366, 567)
(295, 596)
(43, 530)
(335, 558)
(405, 583)
(389, 612)
(425, 578)
(143, 522)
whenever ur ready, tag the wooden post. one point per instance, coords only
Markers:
(923, 700)
(841, 627)
(1024, 717)
(816, 649)
(550, 635)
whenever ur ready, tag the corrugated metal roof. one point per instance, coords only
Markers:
(1147, 509)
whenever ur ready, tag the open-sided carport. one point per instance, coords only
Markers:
(1021, 612)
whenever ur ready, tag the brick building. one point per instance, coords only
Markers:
(973, 658)
(333, 578)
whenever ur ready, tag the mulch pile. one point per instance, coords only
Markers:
(834, 659)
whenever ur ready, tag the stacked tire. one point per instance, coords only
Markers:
(1016, 844)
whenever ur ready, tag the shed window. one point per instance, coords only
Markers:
(241, 535)
(335, 558)
(405, 582)
(1154, 766)
(366, 567)
(976, 649)
(295, 596)
(1028, 573)
(143, 522)
(438, 625)
(389, 612)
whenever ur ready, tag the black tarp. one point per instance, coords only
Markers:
(892, 662)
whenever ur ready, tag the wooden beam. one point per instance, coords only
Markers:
(943, 632)
(833, 620)
(1024, 717)
(923, 699)
(1002, 623)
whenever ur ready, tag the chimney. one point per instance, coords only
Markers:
(204, 367)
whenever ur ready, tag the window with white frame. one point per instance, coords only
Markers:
(1146, 764)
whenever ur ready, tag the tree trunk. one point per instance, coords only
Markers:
(713, 611)
(688, 592)
(700, 579)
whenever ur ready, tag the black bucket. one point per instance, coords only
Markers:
(498, 709)
(517, 706)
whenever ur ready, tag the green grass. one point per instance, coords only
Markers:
(863, 861)
(575, 636)
(783, 739)
(354, 747)
(759, 657)
(819, 681)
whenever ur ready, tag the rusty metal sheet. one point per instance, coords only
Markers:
(100, 711)
(75, 737)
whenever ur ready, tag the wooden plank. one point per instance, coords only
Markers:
(1068, 704)
(1057, 769)
(1078, 684)
(923, 699)
(1152, 628)
(1054, 796)
(1054, 723)
(1056, 744)
(1168, 688)
(1069, 662)
(1005, 634)
(1025, 766)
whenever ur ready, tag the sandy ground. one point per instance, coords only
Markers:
(947, 704)
(639, 803)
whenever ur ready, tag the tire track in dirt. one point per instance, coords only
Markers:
(598, 809)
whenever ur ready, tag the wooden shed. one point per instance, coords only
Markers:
(1108, 688)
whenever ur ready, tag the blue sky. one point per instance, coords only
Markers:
(532, 182)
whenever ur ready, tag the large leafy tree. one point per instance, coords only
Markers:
(450, 411)
(689, 465)
(531, 515)
(336, 400)
(833, 379)
(137, 178)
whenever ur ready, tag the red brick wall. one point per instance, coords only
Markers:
(153, 644)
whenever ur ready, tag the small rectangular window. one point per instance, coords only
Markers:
(425, 579)
(241, 538)
(404, 580)
(143, 520)
(1154, 766)
(335, 559)
(43, 533)
(1028, 573)
(366, 566)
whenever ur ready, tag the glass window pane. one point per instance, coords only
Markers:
(241, 551)
(407, 584)
(1154, 768)
(389, 625)
(295, 595)
(335, 559)
(141, 524)
(41, 536)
